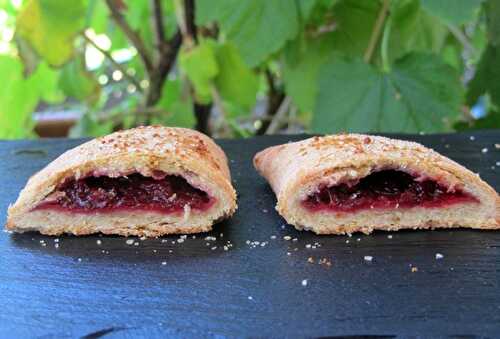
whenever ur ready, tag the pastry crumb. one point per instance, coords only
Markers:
(439, 256)
(304, 282)
(368, 258)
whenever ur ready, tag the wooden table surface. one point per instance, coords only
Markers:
(161, 287)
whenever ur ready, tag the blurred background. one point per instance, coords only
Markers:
(237, 68)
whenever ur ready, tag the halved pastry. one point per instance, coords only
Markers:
(348, 183)
(144, 181)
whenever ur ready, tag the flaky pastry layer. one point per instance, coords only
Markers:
(296, 170)
(144, 150)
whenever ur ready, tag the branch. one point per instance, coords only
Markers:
(462, 38)
(158, 26)
(167, 58)
(134, 38)
(184, 13)
(275, 98)
(279, 116)
(377, 28)
(189, 15)
(117, 65)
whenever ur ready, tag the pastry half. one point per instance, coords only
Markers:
(357, 183)
(145, 181)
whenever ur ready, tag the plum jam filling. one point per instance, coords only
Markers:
(132, 192)
(386, 189)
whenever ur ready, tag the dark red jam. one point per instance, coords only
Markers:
(386, 189)
(133, 192)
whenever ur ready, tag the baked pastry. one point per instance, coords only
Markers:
(146, 181)
(348, 183)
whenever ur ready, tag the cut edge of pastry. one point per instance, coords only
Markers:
(24, 215)
(295, 184)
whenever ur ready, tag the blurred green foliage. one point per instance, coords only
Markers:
(228, 66)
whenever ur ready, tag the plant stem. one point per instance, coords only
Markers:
(184, 12)
(462, 38)
(377, 28)
(275, 99)
(158, 26)
(278, 118)
(384, 50)
(115, 63)
(168, 54)
(132, 35)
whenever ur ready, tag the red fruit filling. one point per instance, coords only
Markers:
(132, 192)
(385, 189)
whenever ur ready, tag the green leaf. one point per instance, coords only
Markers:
(314, 14)
(98, 16)
(47, 81)
(178, 105)
(75, 81)
(138, 15)
(455, 12)
(18, 99)
(258, 28)
(354, 21)
(419, 94)
(414, 29)
(200, 65)
(492, 10)
(235, 81)
(486, 79)
(303, 57)
(451, 52)
(306, 8)
(50, 26)
(302, 60)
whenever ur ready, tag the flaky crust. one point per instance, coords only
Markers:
(295, 170)
(177, 151)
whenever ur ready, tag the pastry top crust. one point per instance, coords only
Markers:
(298, 167)
(145, 150)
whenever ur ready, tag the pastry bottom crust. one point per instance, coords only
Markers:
(465, 215)
(147, 224)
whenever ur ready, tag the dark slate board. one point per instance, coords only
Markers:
(77, 290)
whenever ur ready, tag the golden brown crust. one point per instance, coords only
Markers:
(144, 149)
(296, 169)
